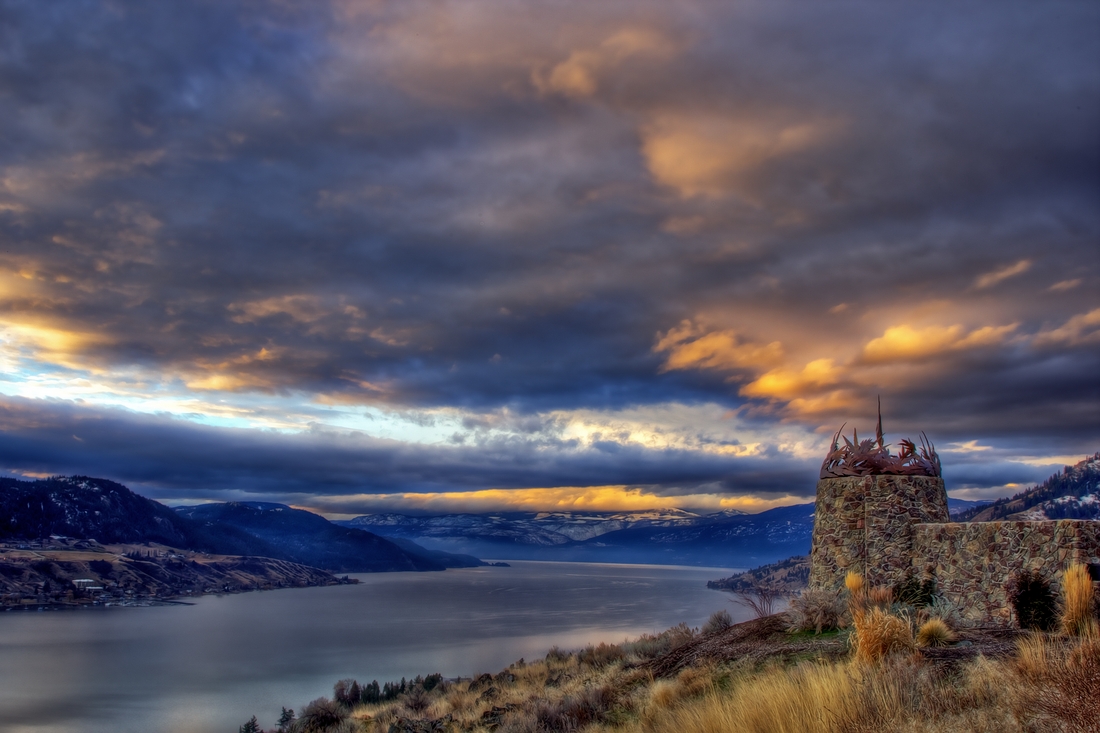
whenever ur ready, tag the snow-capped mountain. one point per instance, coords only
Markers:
(530, 528)
(1073, 493)
(672, 536)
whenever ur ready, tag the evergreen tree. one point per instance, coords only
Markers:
(250, 727)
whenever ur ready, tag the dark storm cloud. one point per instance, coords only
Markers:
(172, 459)
(391, 204)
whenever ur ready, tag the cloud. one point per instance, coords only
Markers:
(266, 215)
(698, 155)
(690, 347)
(1081, 329)
(989, 279)
(906, 343)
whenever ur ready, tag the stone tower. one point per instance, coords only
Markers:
(868, 501)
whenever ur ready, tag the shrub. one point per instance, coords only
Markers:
(815, 610)
(914, 592)
(600, 656)
(942, 609)
(718, 621)
(878, 634)
(934, 632)
(556, 654)
(1077, 601)
(1032, 600)
(321, 716)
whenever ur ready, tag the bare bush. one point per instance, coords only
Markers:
(816, 610)
(718, 621)
(760, 599)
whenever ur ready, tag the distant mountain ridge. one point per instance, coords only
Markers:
(671, 536)
(729, 538)
(525, 528)
(1073, 493)
(108, 512)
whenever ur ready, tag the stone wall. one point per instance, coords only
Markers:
(865, 524)
(973, 561)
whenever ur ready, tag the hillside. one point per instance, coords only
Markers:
(66, 572)
(105, 511)
(307, 538)
(1073, 493)
(108, 512)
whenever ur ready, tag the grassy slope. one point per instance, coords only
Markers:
(755, 677)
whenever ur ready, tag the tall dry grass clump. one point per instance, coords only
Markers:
(1061, 686)
(853, 581)
(879, 634)
(809, 698)
(935, 632)
(1077, 600)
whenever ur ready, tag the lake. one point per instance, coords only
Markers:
(210, 666)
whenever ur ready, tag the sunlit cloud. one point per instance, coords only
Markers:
(995, 277)
(1081, 329)
(1064, 285)
(906, 343)
(556, 499)
(690, 346)
(701, 155)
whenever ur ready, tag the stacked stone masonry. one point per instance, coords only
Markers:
(885, 527)
(973, 561)
(865, 524)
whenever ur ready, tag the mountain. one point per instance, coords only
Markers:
(108, 512)
(543, 529)
(1073, 493)
(956, 507)
(307, 538)
(725, 541)
(95, 508)
(727, 538)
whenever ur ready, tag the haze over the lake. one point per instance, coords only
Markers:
(364, 256)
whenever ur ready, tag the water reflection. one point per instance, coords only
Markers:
(210, 666)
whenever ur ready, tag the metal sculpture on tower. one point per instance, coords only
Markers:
(872, 456)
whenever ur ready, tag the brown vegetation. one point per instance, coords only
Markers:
(772, 675)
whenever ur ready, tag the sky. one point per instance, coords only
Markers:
(361, 256)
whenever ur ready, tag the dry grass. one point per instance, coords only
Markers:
(935, 632)
(1050, 684)
(805, 699)
(1077, 600)
(879, 634)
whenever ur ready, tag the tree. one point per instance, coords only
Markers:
(250, 727)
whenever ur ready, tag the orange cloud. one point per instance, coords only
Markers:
(699, 155)
(786, 384)
(301, 308)
(1083, 328)
(50, 344)
(561, 499)
(691, 348)
(990, 279)
(906, 343)
(578, 75)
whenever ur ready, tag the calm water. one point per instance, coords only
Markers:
(212, 665)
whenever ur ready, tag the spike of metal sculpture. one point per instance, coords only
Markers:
(873, 457)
